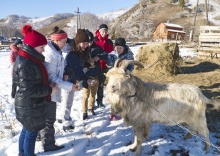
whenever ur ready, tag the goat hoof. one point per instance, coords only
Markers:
(187, 136)
(133, 149)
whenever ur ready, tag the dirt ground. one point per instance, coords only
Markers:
(202, 72)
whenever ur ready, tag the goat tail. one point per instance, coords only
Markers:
(215, 103)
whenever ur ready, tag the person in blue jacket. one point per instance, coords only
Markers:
(122, 51)
(75, 73)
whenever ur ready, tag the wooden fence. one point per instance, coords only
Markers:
(209, 41)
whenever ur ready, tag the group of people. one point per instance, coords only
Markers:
(40, 72)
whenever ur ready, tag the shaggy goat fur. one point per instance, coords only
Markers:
(137, 103)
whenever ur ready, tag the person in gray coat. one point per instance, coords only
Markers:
(54, 63)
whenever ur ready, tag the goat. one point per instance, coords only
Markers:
(138, 103)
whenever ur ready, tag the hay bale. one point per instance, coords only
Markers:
(166, 52)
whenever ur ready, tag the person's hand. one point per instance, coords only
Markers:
(54, 87)
(96, 58)
(65, 77)
(91, 82)
(75, 87)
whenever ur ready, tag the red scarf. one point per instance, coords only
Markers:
(42, 67)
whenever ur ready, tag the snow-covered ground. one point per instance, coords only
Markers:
(96, 136)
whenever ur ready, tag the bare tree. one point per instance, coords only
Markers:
(91, 21)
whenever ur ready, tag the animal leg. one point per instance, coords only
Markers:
(140, 135)
(136, 146)
(133, 146)
(201, 129)
(138, 151)
(205, 132)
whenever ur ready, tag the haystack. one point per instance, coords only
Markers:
(166, 56)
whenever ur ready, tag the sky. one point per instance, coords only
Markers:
(43, 8)
(97, 136)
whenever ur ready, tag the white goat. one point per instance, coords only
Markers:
(138, 103)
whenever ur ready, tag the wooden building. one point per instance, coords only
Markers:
(209, 40)
(168, 32)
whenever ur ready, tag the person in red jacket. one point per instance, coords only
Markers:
(15, 47)
(14, 50)
(106, 44)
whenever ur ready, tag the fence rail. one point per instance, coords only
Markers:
(4, 46)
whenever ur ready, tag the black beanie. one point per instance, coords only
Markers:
(103, 26)
(17, 41)
(90, 35)
(81, 36)
(120, 42)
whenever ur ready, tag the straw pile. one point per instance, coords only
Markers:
(166, 53)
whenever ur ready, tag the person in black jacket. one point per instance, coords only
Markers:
(96, 55)
(31, 89)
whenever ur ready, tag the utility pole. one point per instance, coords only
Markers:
(194, 23)
(206, 10)
(78, 19)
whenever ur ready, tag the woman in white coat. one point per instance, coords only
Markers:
(54, 63)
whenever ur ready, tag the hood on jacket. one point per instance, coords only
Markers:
(13, 47)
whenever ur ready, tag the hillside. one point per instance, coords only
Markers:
(140, 21)
(135, 23)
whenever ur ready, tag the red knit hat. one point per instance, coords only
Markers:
(32, 37)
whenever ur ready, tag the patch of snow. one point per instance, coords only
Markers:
(114, 14)
(35, 20)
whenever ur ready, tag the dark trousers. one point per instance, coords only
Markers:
(27, 141)
(47, 134)
(100, 91)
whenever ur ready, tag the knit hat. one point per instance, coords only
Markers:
(32, 37)
(103, 26)
(120, 42)
(90, 35)
(81, 36)
(17, 41)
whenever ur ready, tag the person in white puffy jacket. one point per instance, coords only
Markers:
(54, 63)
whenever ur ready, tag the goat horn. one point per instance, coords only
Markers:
(118, 63)
(125, 63)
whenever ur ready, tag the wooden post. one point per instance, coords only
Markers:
(175, 43)
(194, 23)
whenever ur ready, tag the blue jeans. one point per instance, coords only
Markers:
(27, 141)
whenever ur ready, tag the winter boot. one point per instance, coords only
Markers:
(92, 112)
(52, 148)
(68, 128)
(85, 116)
(100, 105)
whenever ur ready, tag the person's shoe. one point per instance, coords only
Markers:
(53, 148)
(60, 121)
(68, 128)
(100, 105)
(85, 116)
(92, 112)
(112, 117)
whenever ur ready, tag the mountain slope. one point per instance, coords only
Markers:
(140, 21)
